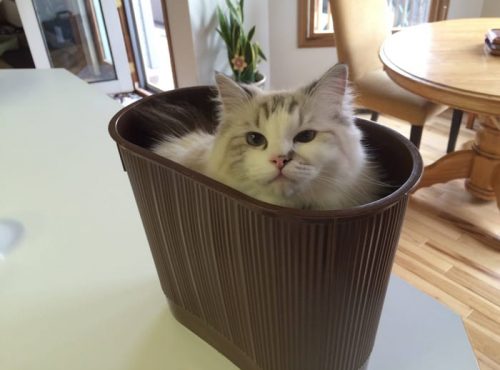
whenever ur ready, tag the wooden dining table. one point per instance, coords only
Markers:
(447, 62)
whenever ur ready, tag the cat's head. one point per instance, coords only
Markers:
(287, 147)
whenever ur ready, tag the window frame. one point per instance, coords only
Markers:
(307, 38)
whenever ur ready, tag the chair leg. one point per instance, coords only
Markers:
(470, 120)
(416, 135)
(456, 121)
(374, 116)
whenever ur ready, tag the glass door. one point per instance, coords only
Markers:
(150, 44)
(82, 36)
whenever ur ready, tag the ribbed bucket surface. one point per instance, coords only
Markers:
(271, 288)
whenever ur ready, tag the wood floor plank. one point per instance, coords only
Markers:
(417, 227)
(423, 256)
(477, 258)
(478, 286)
(486, 363)
(460, 293)
(478, 218)
(493, 325)
(412, 238)
(423, 285)
(431, 222)
(483, 340)
(440, 251)
(492, 281)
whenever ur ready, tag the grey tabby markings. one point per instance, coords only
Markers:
(330, 173)
(278, 101)
(275, 103)
(247, 91)
(265, 108)
(236, 144)
(293, 104)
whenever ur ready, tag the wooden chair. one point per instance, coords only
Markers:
(360, 29)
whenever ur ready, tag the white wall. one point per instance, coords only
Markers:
(465, 8)
(199, 51)
(491, 8)
(257, 13)
(291, 66)
(209, 49)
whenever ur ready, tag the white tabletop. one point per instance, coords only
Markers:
(79, 289)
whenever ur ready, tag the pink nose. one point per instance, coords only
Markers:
(280, 161)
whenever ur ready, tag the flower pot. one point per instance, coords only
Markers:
(271, 288)
(260, 84)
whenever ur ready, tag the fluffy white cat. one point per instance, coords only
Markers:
(290, 148)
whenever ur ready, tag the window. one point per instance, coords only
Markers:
(316, 25)
(149, 45)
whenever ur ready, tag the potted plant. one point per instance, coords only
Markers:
(244, 55)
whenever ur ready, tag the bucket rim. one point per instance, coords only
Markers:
(262, 207)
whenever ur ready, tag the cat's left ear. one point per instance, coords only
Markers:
(231, 94)
(332, 85)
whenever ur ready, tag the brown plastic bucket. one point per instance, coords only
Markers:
(271, 288)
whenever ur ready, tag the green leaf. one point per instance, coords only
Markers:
(250, 34)
(231, 32)
(261, 54)
(249, 57)
(255, 50)
(236, 37)
(244, 43)
(221, 17)
(237, 75)
(247, 76)
(237, 41)
(233, 11)
(223, 25)
(221, 35)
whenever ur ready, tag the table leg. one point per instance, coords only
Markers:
(483, 179)
(496, 183)
(480, 165)
(456, 165)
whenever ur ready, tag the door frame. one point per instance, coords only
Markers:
(39, 52)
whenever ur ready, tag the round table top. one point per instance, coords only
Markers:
(446, 62)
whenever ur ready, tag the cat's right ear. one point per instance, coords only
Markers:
(231, 94)
(332, 84)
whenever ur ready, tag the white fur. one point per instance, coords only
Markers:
(329, 172)
(191, 150)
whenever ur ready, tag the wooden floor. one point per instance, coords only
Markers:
(442, 252)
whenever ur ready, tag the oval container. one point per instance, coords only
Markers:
(271, 288)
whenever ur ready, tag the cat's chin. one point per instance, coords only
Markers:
(282, 187)
(280, 179)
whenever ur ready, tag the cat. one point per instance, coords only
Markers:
(298, 148)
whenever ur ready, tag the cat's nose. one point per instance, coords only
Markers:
(280, 161)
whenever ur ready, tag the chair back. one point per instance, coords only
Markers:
(360, 28)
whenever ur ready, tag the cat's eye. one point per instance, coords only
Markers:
(305, 136)
(255, 139)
